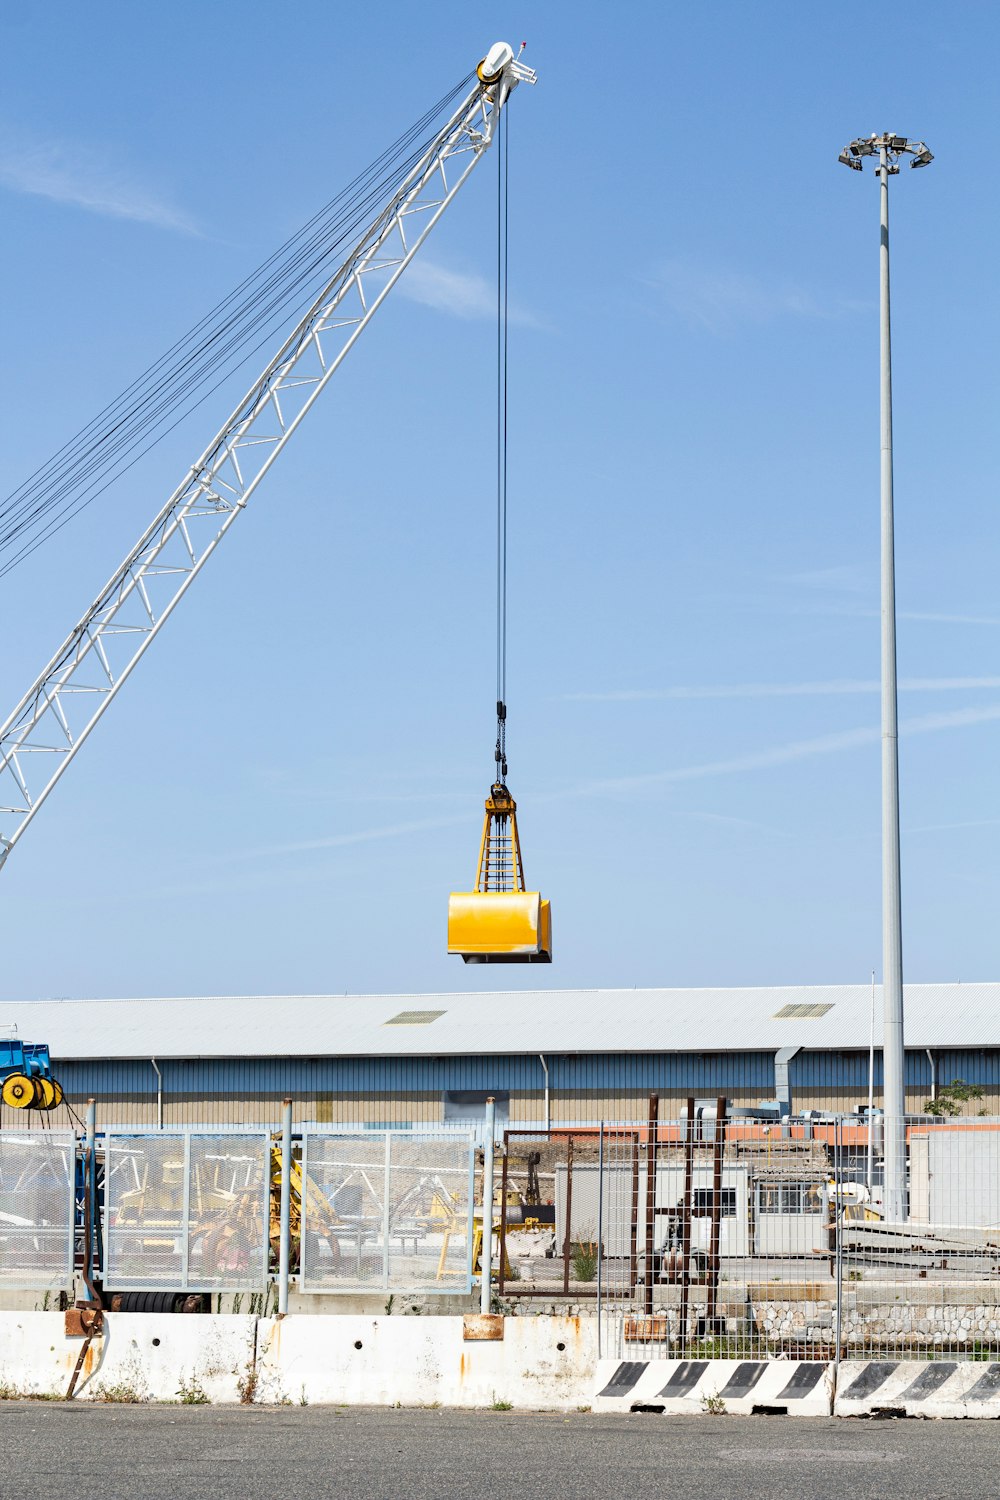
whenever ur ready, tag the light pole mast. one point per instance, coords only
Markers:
(889, 148)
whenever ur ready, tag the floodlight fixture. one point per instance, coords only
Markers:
(889, 144)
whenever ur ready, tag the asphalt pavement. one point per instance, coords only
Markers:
(88, 1452)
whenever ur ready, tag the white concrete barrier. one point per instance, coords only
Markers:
(918, 1388)
(142, 1357)
(803, 1388)
(542, 1363)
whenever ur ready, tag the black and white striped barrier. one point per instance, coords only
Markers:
(918, 1388)
(802, 1388)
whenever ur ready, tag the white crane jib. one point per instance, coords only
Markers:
(53, 719)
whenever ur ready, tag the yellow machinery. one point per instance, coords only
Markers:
(500, 922)
(323, 1220)
(223, 1211)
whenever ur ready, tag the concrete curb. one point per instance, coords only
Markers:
(918, 1388)
(802, 1388)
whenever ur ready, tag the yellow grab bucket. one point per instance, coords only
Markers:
(500, 927)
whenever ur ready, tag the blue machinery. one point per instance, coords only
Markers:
(26, 1080)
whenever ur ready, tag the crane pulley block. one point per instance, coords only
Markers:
(500, 922)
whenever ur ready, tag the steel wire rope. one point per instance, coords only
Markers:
(503, 197)
(73, 474)
(275, 311)
(349, 196)
(347, 226)
(206, 344)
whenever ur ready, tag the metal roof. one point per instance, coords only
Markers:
(502, 1022)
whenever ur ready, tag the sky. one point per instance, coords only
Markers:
(283, 795)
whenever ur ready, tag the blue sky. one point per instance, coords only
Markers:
(292, 782)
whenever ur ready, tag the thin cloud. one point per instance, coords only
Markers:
(462, 294)
(870, 612)
(346, 840)
(850, 578)
(835, 688)
(936, 619)
(426, 825)
(947, 827)
(720, 299)
(85, 178)
(782, 755)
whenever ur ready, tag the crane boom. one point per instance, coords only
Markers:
(65, 702)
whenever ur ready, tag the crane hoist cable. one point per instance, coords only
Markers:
(209, 353)
(503, 199)
(500, 921)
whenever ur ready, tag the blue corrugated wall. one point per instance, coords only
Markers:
(611, 1073)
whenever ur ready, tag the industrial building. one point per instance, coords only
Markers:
(562, 1055)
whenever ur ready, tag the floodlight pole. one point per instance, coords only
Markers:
(890, 149)
(893, 1050)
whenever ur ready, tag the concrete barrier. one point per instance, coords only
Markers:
(141, 1357)
(803, 1388)
(918, 1388)
(543, 1363)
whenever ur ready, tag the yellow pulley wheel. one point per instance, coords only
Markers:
(45, 1093)
(18, 1091)
(57, 1090)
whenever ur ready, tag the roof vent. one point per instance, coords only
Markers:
(801, 1012)
(414, 1018)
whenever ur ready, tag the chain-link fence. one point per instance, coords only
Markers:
(929, 1287)
(386, 1211)
(187, 1212)
(37, 1209)
(749, 1238)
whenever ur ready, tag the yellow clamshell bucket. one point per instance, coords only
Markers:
(500, 922)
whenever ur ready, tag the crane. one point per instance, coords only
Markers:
(41, 737)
